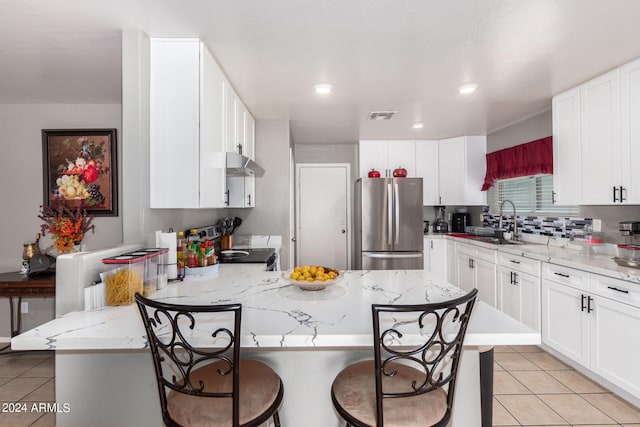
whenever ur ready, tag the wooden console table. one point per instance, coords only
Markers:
(17, 285)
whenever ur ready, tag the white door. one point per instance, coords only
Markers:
(564, 324)
(438, 258)
(427, 168)
(402, 154)
(630, 130)
(372, 155)
(323, 215)
(466, 275)
(451, 158)
(486, 281)
(529, 299)
(566, 148)
(508, 293)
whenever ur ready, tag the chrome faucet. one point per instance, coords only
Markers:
(515, 222)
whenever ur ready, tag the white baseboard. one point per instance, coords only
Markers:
(5, 340)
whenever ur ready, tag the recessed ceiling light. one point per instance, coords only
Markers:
(468, 88)
(418, 125)
(322, 89)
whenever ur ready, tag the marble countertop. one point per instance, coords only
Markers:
(567, 255)
(277, 315)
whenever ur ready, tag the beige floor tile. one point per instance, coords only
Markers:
(45, 393)
(575, 409)
(505, 383)
(16, 367)
(577, 382)
(47, 420)
(597, 425)
(617, 408)
(18, 419)
(515, 362)
(501, 417)
(503, 349)
(545, 361)
(497, 367)
(530, 410)
(630, 425)
(45, 369)
(18, 388)
(540, 382)
(528, 349)
(5, 380)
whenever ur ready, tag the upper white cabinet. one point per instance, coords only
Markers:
(385, 156)
(428, 168)
(567, 166)
(187, 168)
(195, 118)
(462, 169)
(600, 136)
(595, 129)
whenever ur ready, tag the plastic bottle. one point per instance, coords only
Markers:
(192, 257)
(193, 236)
(181, 253)
(210, 254)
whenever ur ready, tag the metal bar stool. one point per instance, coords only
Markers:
(202, 381)
(411, 381)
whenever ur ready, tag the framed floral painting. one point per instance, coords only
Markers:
(80, 170)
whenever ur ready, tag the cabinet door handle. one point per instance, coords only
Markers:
(249, 199)
(562, 275)
(511, 277)
(615, 198)
(473, 264)
(514, 261)
(553, 197)
(613, 288)
(582, 298)
(431, 244)
(515, 278)
(469, 263)
(226, 194)
(589, 309)
(239, 148)
(622, 199)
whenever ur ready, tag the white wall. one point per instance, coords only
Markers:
(21, 192)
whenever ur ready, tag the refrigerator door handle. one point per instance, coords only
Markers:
(389, 215)
(391, 255)
(397, 216)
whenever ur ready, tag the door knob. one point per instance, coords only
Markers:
(343, 231)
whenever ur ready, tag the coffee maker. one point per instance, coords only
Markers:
(459, 221)
(440, 225)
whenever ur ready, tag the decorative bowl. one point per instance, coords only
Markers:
(316, 285)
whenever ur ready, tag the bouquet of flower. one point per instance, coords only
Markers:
(67, 226)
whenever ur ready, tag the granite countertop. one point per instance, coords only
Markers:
(566, 254)
(277, 315)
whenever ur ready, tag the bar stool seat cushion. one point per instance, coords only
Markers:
(259, 388)
(354, 390)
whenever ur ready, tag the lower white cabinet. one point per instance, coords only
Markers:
(519, 289)
(594, 321)
(435, 257)
(476, 268)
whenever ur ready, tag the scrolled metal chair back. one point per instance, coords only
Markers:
(426, 337)
(177, 351)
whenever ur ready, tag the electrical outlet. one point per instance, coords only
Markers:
(597, 225)
(24, 307)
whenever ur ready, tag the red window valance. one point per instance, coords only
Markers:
(531, 158)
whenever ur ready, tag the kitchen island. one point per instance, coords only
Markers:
(104, 371)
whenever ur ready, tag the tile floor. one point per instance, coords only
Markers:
(531, 388)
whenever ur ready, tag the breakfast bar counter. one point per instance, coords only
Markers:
(104, 371)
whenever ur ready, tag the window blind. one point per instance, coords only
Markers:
(532, 195)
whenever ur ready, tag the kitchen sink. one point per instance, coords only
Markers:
(497, 241)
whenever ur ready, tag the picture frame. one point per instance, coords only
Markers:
(80, 170)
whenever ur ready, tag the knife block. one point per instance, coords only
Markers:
(226, 242)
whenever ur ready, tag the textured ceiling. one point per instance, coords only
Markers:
(402, 55)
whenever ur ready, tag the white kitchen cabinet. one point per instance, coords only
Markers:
(249, 135)
(600, 140)
(567, 167)
(187, 169)
(630, 131)
(435, 257)
(428, 168)
(476, 268)
(519, 289)
(462, 166)
(385, 156)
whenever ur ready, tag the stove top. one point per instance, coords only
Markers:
(249, 255)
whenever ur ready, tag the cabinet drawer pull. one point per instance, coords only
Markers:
(582, 298)
(589, 309)
(622, 199)
(515, 278)
(562, 275)
(613, 288)
(226, 194)
(514, 261)
(615, 198)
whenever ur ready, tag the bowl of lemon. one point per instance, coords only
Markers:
(312, 277)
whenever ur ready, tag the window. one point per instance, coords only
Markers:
(532, 195)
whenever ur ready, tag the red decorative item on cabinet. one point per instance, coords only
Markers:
(373, 174)
(400, 172)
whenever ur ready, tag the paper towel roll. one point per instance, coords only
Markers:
(168, 240)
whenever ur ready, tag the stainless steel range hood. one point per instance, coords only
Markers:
(239, 165)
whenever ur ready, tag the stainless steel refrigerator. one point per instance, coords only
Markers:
(388, 224)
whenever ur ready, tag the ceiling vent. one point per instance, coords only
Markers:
(381, 115)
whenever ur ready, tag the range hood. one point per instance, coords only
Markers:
(239, 165)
